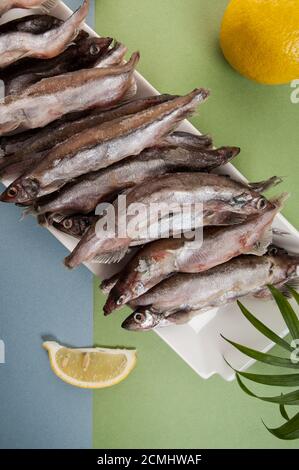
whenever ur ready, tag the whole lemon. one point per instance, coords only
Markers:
(260, 39)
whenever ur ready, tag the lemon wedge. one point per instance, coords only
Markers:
(90, 367)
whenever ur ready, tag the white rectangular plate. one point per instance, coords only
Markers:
(199, 342)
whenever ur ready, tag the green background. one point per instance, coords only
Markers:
(164, 403)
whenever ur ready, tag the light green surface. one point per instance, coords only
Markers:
(164, 403)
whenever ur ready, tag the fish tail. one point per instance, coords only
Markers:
(132, 62)
(264, 185)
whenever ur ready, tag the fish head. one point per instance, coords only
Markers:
(143, 319)
(74, 225)
(21, 191)
(284, 265)
(123, 292)
(250, 203)
(94, 48)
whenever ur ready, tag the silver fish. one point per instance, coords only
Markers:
(218, 194)
(84, 195)
(54, 97)
(17, 45)
(35, 24)
(181, 297)
(103, 145)
(31, 142)
(161, 259)
(14, 166)
(7, 5)
(86, 53)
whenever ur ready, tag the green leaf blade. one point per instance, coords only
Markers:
(294, 293)
(288, 431)
(287, 311)
(291, 398)
(262, 328)
(283, 412)
(282, 380)
(263, 357)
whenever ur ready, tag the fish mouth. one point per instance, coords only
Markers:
(4, 197)
(7, 197)
(114, 302)
(233, 152)
(109, 306)
(130, 325)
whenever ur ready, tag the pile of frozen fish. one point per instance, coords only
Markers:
(73, 136)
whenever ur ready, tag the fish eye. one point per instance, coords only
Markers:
(67, 223)
(261, 203)
(94, 49)
(138, 317)
(272, 250)
(12, 192)
(121, 300)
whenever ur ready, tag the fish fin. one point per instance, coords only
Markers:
(264, 185)
(198, 257)
(261, 245)
(264, 293)
(28, 211)
(111, 257)
(182, 316)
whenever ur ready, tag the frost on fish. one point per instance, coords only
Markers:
(216, 193)
(85, 194)
(85, 53)
(18, 45)
(54, 97)
(102, 145)
(163, 258)
(177, 299)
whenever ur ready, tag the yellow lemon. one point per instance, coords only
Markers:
(260, 39)
(90, 367)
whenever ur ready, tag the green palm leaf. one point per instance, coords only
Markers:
(287, 311)
(291, 398)
(288, 431)
(262, 328)
(263, 357)
(279, 380)
(294, 294)
(283, 412)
